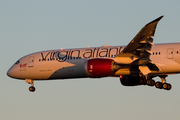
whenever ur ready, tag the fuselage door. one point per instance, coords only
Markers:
(31, 61)
(170, 53)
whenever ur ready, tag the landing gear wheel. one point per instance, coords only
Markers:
(142, 81)
(150, 82)
(167, 86)
(32, 88)
(158, 85)
(153, 82)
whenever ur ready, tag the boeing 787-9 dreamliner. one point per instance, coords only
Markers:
(135, 64)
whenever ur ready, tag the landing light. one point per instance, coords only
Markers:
(120, 76)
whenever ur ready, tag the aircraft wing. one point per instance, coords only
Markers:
(138, 51)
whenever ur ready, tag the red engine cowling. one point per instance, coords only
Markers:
(97, 68)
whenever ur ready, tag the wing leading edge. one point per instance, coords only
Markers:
(138, 51)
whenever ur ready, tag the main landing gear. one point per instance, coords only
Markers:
(31, 88)
(159, 85)
(163, 84)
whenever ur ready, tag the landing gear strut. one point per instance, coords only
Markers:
(31, 88)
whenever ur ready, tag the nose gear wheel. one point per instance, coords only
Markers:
(32, 88)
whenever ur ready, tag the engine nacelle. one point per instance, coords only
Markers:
(130, 80)
(98, 67)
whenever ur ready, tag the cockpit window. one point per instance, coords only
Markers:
(17, 62)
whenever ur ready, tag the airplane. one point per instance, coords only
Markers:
(135, 64)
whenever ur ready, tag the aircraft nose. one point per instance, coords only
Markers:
(13, 72)
(9, 73)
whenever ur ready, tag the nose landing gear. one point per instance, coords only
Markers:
(31, 88)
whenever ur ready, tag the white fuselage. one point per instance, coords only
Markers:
(70, 63)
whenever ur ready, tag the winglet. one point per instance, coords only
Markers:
(156, 20)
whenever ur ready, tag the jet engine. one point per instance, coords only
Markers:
(98, 67)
